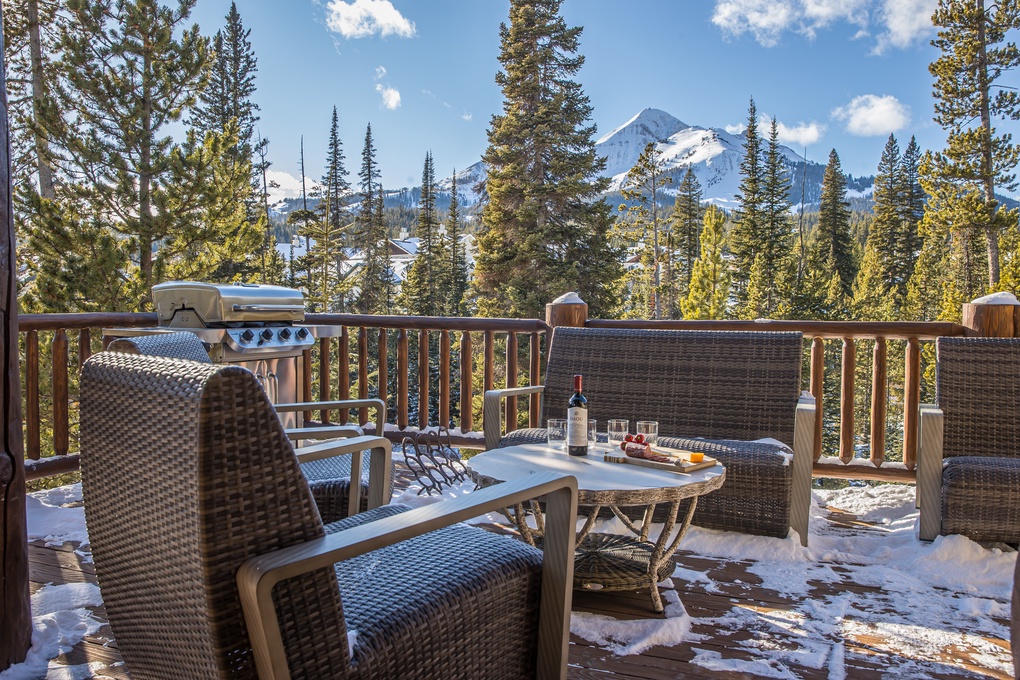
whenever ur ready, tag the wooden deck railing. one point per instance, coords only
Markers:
(371, 355)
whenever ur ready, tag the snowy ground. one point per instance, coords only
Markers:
(951, 585)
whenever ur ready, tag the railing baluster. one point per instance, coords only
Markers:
(423, 379)
(402, 370)
(846, 407)
(344, 372)
(84, 346)
(325, 373)
(466, 380)
(879, 398)
(444, 378)
(488, 381)
(534, 378)
(511, 380)
(59, 384)
(32, 394)
(911, 402)
(818, 390)
(362, 372)
(384, 372)
(306, 381)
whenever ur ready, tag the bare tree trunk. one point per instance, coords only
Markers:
(42, 144)
(987, 169)
(15, 607)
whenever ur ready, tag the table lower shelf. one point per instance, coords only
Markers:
(615, 562)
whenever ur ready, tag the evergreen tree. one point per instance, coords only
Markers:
(832, 247)
(644, 228)
(746, 234)
(422, 292)
(457, 275)
(710, 279)
(685, 231)
(770, 275)
(977, 159)
(911, 209)
(544, 230)
(375, 280)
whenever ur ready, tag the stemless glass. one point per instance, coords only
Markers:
(617, 432)
(649, 429)
(556, 433)
(592, 434)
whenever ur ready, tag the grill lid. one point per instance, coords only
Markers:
(221, 303)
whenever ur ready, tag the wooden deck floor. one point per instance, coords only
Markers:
(735, 595)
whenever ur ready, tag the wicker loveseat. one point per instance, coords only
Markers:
(968, 468)
(715, 392)
(213, 562)
(328, 473)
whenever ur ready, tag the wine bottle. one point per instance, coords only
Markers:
(577, 422)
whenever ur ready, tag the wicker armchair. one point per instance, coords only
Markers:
(327, 467)
(730, 388)
(213, 562)
(968, 467)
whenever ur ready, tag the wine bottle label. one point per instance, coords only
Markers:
(577, 426)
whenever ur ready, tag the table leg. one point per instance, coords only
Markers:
(661, 552)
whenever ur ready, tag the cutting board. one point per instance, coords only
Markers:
(682, 464)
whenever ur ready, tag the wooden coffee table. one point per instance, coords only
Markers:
(608, 561)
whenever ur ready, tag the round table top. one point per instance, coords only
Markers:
(598, 481)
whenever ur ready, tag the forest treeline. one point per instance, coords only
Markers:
(108, 203)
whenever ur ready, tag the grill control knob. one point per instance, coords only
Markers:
(284, 333)
(266, 334)
(247, 336)
(302, 333)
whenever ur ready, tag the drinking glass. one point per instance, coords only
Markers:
(556, 433)
(617, 432)
(592, 434)
(650, 430)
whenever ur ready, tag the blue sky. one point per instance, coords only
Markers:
(837, 74)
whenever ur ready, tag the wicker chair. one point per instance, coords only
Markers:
(730, 388)
(213, 562)
(968, 468)
(328, 471)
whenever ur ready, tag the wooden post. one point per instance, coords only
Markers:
(15, 608)
(993, 316)
(567, 310)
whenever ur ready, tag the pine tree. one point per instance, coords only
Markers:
(422, 292)
(545, 232)
(375, 280)
(832, 247)
(911, 210)
(685, 231)
(710, 279)
(746, 234)
(977, 160)
(646, 229)
(132, 70)
(457, 276)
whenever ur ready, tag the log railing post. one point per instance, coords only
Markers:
(444, 378)
(402, 369)
(58, 385)
(818, 391)
(879, 397)
(511, 380)
(325, 374)
(423, 379)
(343, 372)
(567, 310)
(466, 379)
(992, 316)
(363, 373)
(911, 402)
(32, 393)
(535, 378)
(383, 373)
(846, 408)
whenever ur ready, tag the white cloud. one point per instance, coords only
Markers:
(905, 22)
(428, 93)
(365, 18)
(872, 116)
(803, 134)
(735, 129)
(466, 115)
(380, 72)
(390, 96)
(898, 23)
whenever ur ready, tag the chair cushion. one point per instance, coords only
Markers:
(407, 602)
(330, 482)
(981, 498)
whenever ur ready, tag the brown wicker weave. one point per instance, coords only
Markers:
(724, 386)
(329, 478)
(187, 473)
(978, 393)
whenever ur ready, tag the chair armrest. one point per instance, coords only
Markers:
(929, 473)
(257, 576)
(803, 460)
(379, 466)
(492, 421)
(324, 432)
(378, 404)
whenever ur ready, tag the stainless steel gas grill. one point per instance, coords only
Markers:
(256, 326)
